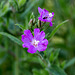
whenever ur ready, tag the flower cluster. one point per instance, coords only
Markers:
(38, 41)
(34, 43)
(45, 16)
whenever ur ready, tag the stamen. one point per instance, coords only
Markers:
(35, 43)
(50, 15)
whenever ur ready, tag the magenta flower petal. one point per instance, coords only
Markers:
(41, 47)
(27, 45)
(41, 19)
(45, 16)
(25, 39)
(50, 24)
(34, 43)
(28, 34)
(45, 11)
(36, 31)
(45, 42)
(53, 13)
(40, 36)
(40, 10)
(32, 49)
(24, 45)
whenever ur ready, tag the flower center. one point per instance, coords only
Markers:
(50, 15)
(35, 43)
(45, 17)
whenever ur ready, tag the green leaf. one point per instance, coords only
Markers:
(3, 59)
(48, 51)
(57, 27)
(63, 64)
(32, 16)
(55, 70)
(21, 26)
(29, 8)
(1, 4)
(40, 72)
(42, 60)
(12, 38)
(21, 2)
(54, 55)
(51, 57)
(3, 55)
(71, 62)
(4, 10)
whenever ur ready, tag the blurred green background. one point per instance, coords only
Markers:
(14, 59)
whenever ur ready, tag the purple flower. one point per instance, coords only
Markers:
(34, 43)
(45, 16)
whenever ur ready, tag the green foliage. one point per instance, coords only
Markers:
(40, 72)
(29, 8)
(21, 26)
(4, 10)
(54, 55)
(3, 56)
(58, 58)
(12, 38)
(69, 63)
(54, 31)
(55, 70)
(32, 16)
(63, 64)
(21, 2)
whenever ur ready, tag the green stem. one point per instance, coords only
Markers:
(42, 59)
(16, 64)
(7, 21)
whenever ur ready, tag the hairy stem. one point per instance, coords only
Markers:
(44, 61)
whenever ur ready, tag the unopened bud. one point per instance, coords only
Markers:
(31, 22)
(34, 21)
(39, 23)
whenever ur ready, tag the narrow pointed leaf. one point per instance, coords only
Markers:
(55, 70)
(16, 40)
(71, 62)
(32, 16)
(29, 8)
(57, 27)
(21, 2)
(20, 26)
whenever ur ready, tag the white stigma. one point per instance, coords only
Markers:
(50, 15)
(35, 43)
